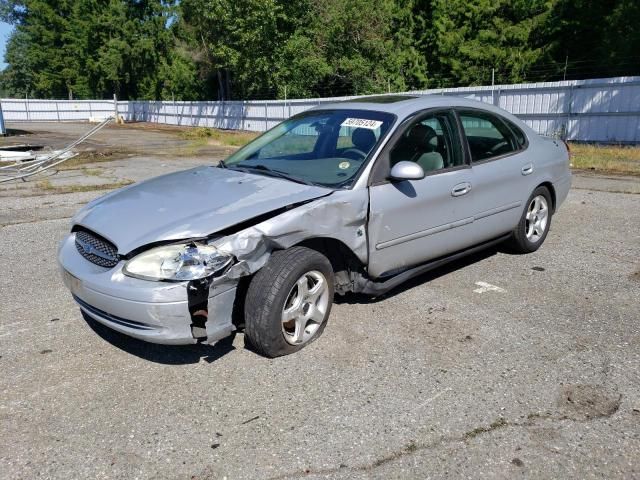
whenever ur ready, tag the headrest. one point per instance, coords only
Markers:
(363, 139)
(422, 136)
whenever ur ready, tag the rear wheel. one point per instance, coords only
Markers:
(534, 223)
(288, 301)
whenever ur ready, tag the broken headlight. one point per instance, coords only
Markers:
(189, 261)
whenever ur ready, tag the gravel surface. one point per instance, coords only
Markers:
(538, 378)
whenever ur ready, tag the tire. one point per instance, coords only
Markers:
(527, 236)
(279, 284)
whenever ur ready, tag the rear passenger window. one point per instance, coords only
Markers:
(487, 136)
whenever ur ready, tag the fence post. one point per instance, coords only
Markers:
(115, 107)
(569, 113)
(266, 123)
(26, 106)
(57, 111)
(3, 130)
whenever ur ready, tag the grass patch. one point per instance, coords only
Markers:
(93, 172)
(606, 158)
(90, 157)
(47, 186)
(221, 137)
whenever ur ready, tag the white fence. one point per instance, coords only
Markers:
(598, 110)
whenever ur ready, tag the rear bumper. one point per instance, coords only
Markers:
(156, 312)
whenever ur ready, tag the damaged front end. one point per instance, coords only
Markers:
(188, 292)
(340, 216)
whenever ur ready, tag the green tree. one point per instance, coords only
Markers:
(87, 47)
(466, 39)
(360, 46)
(596, 38)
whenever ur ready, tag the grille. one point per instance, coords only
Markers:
(96, 249)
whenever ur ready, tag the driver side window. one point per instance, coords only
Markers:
(429, 142)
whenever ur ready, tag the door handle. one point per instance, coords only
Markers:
(527, 169)
(461, 189)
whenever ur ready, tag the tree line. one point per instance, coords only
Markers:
(244, 49)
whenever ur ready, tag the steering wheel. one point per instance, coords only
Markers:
(354, 153)
(498, 146)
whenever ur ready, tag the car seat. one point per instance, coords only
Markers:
(363, 139)
(425, 141)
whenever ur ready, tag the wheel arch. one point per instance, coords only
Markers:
(552, 191)
(343, 260)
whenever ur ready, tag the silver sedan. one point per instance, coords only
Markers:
(354, 196)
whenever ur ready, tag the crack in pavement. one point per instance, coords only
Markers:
(532, 420)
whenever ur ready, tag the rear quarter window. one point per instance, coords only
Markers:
(521, 138)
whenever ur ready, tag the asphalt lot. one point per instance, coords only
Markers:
(539, 378)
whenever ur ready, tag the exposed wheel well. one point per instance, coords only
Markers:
(342, 259)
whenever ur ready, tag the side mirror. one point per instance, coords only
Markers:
(406, 171)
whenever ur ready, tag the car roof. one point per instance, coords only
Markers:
(406, 105)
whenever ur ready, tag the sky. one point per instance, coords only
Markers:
(5, 30)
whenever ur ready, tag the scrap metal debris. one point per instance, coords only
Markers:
(26, 164)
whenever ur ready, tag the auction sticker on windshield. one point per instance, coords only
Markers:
(361, 123)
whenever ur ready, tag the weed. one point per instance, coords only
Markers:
(49, 187)
(606, 158)
(221, 137)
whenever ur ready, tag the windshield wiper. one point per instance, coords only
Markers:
(272, 172)
(221, 164)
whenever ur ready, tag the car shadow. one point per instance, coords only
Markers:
(164, 354)
(356, 298)
(188, 354)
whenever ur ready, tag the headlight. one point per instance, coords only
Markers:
(177, 262)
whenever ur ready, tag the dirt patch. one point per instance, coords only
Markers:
(636, 276)
(581, 402)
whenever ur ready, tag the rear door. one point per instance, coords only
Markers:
(413, 221)
(501, 172)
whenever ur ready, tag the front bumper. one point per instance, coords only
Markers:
(156, 312)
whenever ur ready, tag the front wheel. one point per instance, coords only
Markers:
(288, 301)
(534, 223)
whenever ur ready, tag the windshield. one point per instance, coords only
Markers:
(322, 147)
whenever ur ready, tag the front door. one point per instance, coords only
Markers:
(413, 221)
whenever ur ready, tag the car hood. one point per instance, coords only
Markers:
(189, 204)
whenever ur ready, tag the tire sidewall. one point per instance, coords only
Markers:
(272, 332)
(522, 226)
